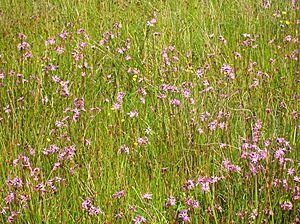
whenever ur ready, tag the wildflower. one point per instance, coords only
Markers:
(237, 55)
(23, 46)
(241, 214)
(229, 167)
(152, 21)
(59, 50)
(119, 194)
(22, 36)
(171, 201)
(87, 142)
(294, 115)
(88, 206)
(56, 165)
(139, 219)
(192, 203)
(266, 4)
(205, 83)
(45, 99)
(63, 35)
(131, 208)
(133, 114)
(117, 25)
(228, 71)
(222, 39)
(81, 30)
(147, 196)
(186, 93)
(27, 55)
(13, 216)
(222, 145)
(120, 97)
(142, 141)
(199, 72)
(175, 102)
(268, 212)
(94, 211)
(119, 215)
(200, 131)
(148, 130)
(287, 205)
(16, 182)
(9, 198)
(164, 170)
(254, 214)
(290, 171)
(79, 103)
(50, 41)
(205, 187)
(183, 216)
(116, 106)
(222, 125)
(73, 169)
(189, 185)
(212, 125)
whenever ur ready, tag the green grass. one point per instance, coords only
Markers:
(175, 143)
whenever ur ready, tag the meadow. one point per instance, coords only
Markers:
(167, 111)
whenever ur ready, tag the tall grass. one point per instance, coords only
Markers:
(149, 111)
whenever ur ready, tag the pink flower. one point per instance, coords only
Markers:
(9, 198)
(228, 71)
(175, 102)
(287, 205)
(142, 141)
(22, 36)
(147, 196)
(222, 39)
(139, 219)
(23, 46)
(133, 114)
(205, 187)
(189, 185)
(88, 206)
(291, 171)
(183, 216)
(59, 50)
(171, 201)
(119, 215)
(229, 167)
(119, 194)
(63, 35)
(50, 41)
(123, 149)
(192, 203)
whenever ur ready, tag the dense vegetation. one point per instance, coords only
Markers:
(149, 111)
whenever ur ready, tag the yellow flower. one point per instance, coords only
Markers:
(135, 144)
(284, 12)
(287, 22)
(48, 139)
(123, 120)
(134, 78)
